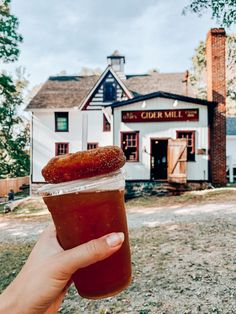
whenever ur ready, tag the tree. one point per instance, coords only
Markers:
(153, 71)
(85, 71)
(9, 38)
(222, 11)
(14, 133)
(198, 73)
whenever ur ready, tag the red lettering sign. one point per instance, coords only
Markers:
(160, 115)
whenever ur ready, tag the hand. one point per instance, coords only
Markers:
(42, 283)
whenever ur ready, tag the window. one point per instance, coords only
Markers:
(61, 122)
(116, 61)
(109, 92)
(62, 148)
(106, 124)
(92, 145)
(190, 136)
(228, 174)
(130, 145)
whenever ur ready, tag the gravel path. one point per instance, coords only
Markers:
(19, 229)
(183, 260)
(152, 217)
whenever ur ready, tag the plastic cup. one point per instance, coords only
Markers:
(86, 209)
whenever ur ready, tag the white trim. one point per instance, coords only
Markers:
(84, 130)
(108, 113)
(122, 85)
(52, 109)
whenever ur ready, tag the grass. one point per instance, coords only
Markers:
(35, 206)
(1, 208)
(27, 207)
(22, 194)
(177, 268)
(186, 198)
(12, 258)
(31, 206)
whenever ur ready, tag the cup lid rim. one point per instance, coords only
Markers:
(112, 179)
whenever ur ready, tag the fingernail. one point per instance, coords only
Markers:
(115, 239)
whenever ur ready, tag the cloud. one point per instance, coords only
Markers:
(67, 35)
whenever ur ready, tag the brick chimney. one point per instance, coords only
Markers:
(216, 91)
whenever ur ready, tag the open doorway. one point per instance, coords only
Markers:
(159, 159)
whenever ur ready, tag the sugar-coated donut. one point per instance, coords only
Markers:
(83, 164)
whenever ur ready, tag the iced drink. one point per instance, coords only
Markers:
(85, 215)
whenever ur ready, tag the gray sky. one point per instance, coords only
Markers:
(70, 34)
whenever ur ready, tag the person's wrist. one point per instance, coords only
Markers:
(8, 303)
(9, 300)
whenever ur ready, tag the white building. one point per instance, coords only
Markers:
(151, 128)
(69, 113)
(231, 148)
(166, 133)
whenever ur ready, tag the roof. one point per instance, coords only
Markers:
(71, 91)
(231, 126)
(162, 94)
(166, 82)
(63, 92)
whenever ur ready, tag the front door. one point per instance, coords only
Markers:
(177, 160)
(159, 159)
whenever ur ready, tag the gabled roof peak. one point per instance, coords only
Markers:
(104, 74)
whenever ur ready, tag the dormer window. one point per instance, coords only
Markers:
(109, 92)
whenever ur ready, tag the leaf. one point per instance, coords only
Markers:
(222, 11)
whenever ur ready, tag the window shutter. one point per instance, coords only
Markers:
(177, 160)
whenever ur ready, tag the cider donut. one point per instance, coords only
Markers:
(83, 164)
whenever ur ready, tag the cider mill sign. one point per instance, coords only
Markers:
(160, 115)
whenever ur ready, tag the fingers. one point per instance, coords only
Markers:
(46, 246)
(91, 252)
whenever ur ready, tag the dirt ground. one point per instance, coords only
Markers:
(183, 259)
(25, 226)
(177, 268)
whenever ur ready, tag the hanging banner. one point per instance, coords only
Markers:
(160, 115)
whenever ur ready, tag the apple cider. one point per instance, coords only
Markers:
(85, 215)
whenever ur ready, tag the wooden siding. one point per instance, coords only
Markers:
(97, 100)
(12, 184)
(177, 160)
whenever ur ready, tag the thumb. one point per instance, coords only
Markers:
(91, 252)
